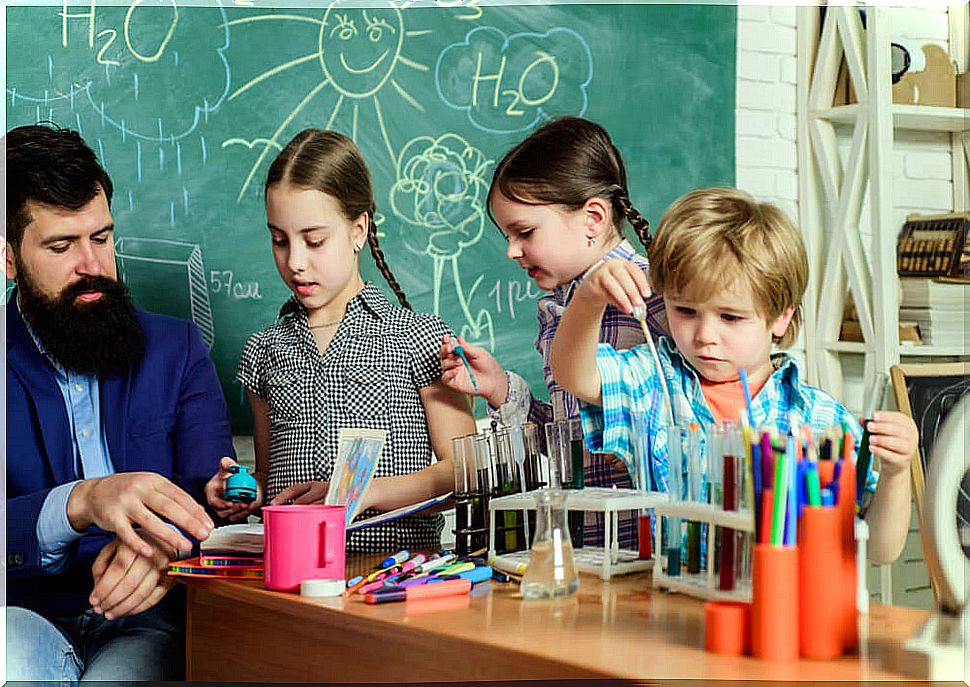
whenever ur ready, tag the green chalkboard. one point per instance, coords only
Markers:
(187, 105)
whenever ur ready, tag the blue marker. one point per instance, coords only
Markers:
(460, 352)
(476, 575)
(396, 559)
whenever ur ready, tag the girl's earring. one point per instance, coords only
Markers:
(357, 247)
(591, 241)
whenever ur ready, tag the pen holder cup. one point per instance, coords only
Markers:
(774, 609)
(303, 542)
(819, 567)
(848, 578)
(727, 627)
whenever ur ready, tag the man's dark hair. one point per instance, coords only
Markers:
(51, 166)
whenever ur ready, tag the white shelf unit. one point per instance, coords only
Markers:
(832, 193)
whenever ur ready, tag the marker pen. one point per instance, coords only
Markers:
(425, 591)
(475, 575)
(397, 558)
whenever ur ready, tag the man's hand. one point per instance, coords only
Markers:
(305, 492)
(118, 502)
(215, 494)
(127, 583)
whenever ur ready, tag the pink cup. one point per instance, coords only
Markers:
(303, 543)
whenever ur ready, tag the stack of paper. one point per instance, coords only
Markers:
(939, 308)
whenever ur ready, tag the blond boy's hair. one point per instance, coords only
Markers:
(711, 238)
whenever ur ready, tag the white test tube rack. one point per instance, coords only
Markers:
(589, 559)
(704, 584)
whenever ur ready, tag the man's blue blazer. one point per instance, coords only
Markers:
(167, 415)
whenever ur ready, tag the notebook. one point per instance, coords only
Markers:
(247, 538)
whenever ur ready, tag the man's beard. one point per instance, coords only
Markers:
(97, 338)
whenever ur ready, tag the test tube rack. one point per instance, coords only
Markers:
(604, 561)
(703, 584)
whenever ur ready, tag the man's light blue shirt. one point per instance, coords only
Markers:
(91, 458)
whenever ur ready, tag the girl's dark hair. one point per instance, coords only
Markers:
(50, 166)
(567, 162)
(331, 163)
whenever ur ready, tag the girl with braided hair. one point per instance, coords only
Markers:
(341, 355)
(560, 197)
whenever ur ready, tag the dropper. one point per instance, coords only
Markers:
(640, 313)
(460, 352)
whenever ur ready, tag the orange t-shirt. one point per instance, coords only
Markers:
(726, 399)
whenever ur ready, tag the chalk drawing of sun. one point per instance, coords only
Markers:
(358, 51)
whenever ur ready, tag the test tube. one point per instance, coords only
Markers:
(506, 483)
(484, 478)
(577, 453)
(729, 460)
(533, 465)
(694, 488)
(675, 480)
(554, 452)
(463, 449)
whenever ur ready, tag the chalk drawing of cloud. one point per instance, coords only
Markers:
(508, 84)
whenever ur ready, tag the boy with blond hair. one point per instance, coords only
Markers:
(732, 272)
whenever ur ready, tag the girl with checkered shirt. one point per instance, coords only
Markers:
(732, 272)
(560, 197)
(341, 355)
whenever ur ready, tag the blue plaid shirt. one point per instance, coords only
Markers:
(632, 422)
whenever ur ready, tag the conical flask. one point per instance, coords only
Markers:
(551, 573)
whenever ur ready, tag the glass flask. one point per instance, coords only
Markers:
(551, 573)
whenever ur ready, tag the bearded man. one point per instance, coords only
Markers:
(115, 423)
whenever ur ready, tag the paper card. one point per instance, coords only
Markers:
(358, 452)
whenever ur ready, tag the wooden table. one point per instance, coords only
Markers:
(239, 631)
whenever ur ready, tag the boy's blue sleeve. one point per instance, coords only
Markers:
(627, 379)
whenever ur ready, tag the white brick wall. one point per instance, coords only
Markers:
(766, 156)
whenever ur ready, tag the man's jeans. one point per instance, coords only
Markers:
(148, 646)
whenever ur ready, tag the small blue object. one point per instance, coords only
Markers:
(241, 486)
(828, 498)
(396, 559)
(354, 580)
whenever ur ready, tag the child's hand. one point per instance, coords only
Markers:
(215, 494)
(489, 375)
(894, 438)
(619, 282)
(304, 492)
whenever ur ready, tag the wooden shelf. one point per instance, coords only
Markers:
(906, 117)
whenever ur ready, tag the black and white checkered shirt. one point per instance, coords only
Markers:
(368, 377)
